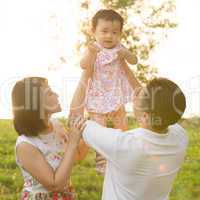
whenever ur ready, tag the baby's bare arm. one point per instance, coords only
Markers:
(88, 60)
(135, 84)
(130, 57)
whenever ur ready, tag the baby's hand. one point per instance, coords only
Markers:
(89, 58)
(122, 54)
(125, 54)
(92, 48)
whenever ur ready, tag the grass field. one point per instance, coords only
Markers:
(88, 184)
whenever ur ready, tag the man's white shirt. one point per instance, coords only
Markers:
(141, 164)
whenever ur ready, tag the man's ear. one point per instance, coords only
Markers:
(145, 118)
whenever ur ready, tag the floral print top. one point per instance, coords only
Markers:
(51, 146)
(109, 88)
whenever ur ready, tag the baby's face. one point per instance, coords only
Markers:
(108, 33)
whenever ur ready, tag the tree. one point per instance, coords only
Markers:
(145, 26)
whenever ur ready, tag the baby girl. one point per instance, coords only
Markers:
(108, 90)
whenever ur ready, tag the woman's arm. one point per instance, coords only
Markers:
(82, 148)
(35, 163)
(82, 151)
(78, 100)
(77, 109)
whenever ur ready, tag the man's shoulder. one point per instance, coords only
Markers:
(135, 135)
(177, 127)
(136, 131)
(178, 131)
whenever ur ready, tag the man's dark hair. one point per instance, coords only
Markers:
(109, 15)
(166, 103)
(26, 103)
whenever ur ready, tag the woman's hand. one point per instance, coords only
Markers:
(100, 160)
(77, 126)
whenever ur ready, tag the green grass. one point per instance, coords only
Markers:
(88, 184)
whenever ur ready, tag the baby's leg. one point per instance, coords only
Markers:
(100, 164)
(99, 118)
(119, 119)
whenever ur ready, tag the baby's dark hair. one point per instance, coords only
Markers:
(109, 15)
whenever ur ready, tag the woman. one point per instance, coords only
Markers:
(44, 152)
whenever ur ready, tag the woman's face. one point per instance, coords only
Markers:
(51, 103)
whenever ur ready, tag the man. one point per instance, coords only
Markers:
(141, 163)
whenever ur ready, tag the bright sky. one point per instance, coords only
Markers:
(29, 45)
(178, 57)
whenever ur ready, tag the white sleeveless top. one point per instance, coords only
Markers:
(51, 146)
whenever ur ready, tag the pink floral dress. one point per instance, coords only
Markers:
(109, 88)
(51, 146)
